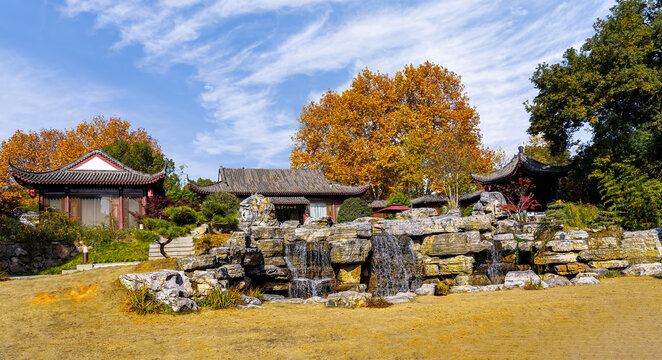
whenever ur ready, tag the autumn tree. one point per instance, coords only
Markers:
(387, 130)
(48, 149)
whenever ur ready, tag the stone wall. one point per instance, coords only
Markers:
(21, 258)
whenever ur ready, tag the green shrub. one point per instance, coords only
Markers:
(181, 215)
(145, 236)
(142, 302)
(221, 299)
(579, 215)
(208, 241)
(3, 276)
(221, 215)
(154, 224)
(256, 293)
(442, 289)
(352, 209)
(228, 199)
(531, 285)
(467, 210)
(399, 198)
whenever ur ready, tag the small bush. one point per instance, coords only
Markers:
(255, 292)
(222, 215)
(142, 302)
(155, 224)
(208, 241)
(145, 236)
(579, 215)
(3, 276)
(442, 289)
(532, 285)
(352, 209)
(228, 199)
(377, 302)
(400, 199)
(218, 299)
(467, 210)
(181, 215)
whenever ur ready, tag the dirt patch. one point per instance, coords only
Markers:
(619, 318)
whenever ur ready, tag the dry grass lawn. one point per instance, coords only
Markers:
(619, 318)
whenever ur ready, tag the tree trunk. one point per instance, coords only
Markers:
(162, 246)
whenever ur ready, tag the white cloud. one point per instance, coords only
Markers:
(33, 96)
(494, 45)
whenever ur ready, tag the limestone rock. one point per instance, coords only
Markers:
(312, 235)
(417, 227)
(607, 242)
(454, 213)
(196, 262)
(168, 287)
(206, 280)
(425, 289)
(350, 251)
(290, 224)
(569, 269)
(233, 271)
(464, 289)
(349, 274)
(549, 257)
(586, 280)
(524, 237)
(271, 247)
(199, 231)
(277, 273)
(252, 257)
(507, 226)
(609, 264)
(642, 246)
(315, 300)
(344, 231)
(454, 244)
(602, 254)
(271, 297)
(228, 255)
(418, 213)
(266, 232)
(489, 204)
(521, 278)
(571, 235)
(557, 281)
(276, 261)
(644, 269)
(318, 222)
(237, 239)
(474, 223)
(400, 298)
(348, 299)
(257, 210)
(275, 286)
(530, 228)
(566, 245)
(450, 266)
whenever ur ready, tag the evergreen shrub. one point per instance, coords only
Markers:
(352, 209)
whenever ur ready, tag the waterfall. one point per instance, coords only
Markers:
(494, 265)
(310, 265)
(394, 265)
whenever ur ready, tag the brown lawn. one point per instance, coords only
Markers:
(619, 318)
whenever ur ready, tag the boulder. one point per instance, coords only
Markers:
(557, 281)
(249, 300)
(607, 242)
(602, 254)
(426, 289)
(454, 213)
(418, 213)
(489, 203)
(549, 257)
(206, 280)
(417, 227)
(569, 269)
(464, 289)
(318, 222)
(237, 239)
(360, 288)
(350, 251)
(585, 280)
(609, 264)
(400, 298)
(196, 262)
(524, 237)
(290, 224)
(312, 235)
(566, 245)
(168, 287)
(199, 231)
(348, 299)
(571, 235)
(228, 255)
(349, 274)
(344, 231)
(232, 271)
(530, 228)
(641, 246)
(275, 286)
(277, 273)
(507, 226)
(271, 247)
(644, 269)
(448, 266)
(253, 257)
(474, 223)
(454, 244)
(276, 261)
(257, 210)
(315, 300)
(521, 278)
(266, 232)
(271, 297)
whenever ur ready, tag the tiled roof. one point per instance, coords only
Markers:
(440, 198)
(289, 200)
(68, 175)
(276, 182)
(524, 162)
(378, 204)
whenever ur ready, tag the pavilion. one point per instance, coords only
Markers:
(95, 189)
(293, 191)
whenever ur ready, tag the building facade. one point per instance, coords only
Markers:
(95, 189)
(294, 192)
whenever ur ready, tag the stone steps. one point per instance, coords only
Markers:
(180, 247)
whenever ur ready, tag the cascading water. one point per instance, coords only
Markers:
(494, 265)
(394, 265)
(310, 265)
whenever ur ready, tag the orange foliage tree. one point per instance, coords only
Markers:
(48, 149)
(396, 132)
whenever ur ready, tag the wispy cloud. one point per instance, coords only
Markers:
(245, 64)
(34, 96)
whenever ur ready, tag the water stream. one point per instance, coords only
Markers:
(394, 265)
(494, 265)
(310, 265)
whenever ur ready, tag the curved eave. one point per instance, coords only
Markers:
(26, 181)
(495, 177)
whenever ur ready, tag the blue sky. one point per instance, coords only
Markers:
(223, 82)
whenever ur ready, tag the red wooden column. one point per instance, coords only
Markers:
(67, 209)
(144, 202)
(120, 210)
(41, 200)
